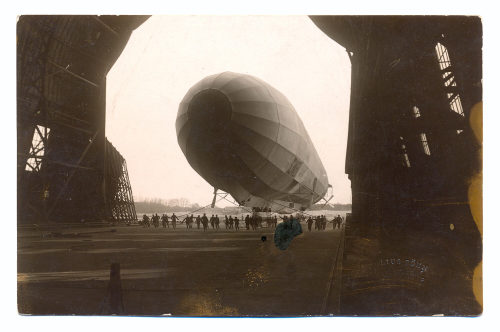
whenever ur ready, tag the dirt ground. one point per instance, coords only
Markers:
(182, 272)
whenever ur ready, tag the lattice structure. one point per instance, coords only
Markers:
(410, 147)
(62, 63)
(119, 198)
(411, 155)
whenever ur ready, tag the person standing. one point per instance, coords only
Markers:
(309, 223)
(174, 220)
(236, 223)
(217, 221)
(247, 222)
(164, 220)
(188, 221)
(198, 221)
(204, 221)
(157, 220)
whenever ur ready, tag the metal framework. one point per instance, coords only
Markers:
(119, 198)
(62, 63)
(411, 155)
(414, 82)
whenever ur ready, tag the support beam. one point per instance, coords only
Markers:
(110, 29)
(65, 186)
(213, 200)
(119, 197)
(66, 70)
(71, 117)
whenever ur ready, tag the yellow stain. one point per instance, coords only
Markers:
(477, 283)
(475, 194)
(205, 305)
(476, 185)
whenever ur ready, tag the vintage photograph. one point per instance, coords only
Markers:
(249, 165)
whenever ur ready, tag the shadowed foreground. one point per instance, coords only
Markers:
(181, 272)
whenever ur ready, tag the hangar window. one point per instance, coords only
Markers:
(443, 57)
(406, 160)
(416, 112)
(456, 105)
(425, 144)
(448, 78)
(37, 150)
(404, 155)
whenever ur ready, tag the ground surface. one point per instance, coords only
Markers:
(181, 272)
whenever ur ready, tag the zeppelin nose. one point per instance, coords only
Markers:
(210, 142)
(210, 111)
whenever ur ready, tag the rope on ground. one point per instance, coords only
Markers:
(331, 278)
(284, 207)
(203, 207)
(245, 208)
(287, 207)
(235, 204)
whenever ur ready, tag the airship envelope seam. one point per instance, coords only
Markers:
(243, 136)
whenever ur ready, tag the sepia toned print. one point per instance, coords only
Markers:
(255, 215)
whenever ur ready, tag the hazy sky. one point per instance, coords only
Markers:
(169, 54)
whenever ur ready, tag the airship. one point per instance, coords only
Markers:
(245, 138)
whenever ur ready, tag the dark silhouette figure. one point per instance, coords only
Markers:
(174, 220)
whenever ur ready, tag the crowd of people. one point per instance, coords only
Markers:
(250, 221)
(321, 221)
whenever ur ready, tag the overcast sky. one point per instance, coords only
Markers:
(168, 54)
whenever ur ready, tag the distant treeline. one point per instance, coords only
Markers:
(155, 206)
(334, 207)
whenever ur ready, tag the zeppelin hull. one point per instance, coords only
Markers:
(243, 136)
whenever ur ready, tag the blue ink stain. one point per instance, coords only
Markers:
(285, 232)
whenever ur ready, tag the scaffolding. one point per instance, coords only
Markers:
(62, 63)
(119, 197)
